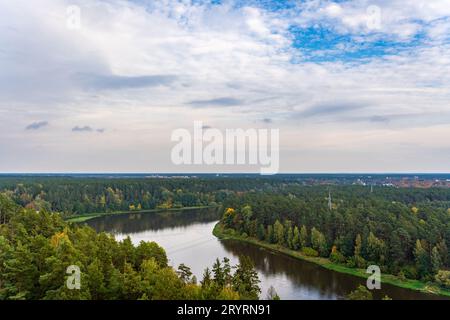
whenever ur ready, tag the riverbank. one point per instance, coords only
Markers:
(220, 232)
(88, 216)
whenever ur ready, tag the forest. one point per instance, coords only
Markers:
(37, 248)
(83, 195)
(404, 231)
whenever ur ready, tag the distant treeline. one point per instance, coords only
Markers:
(93, 195)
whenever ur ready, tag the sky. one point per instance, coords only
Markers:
(352, 86)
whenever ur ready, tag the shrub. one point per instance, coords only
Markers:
(361, 293)
(443, 278)
(410, 272)
(310, 252)
(337, 257)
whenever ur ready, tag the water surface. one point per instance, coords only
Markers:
(187, 238)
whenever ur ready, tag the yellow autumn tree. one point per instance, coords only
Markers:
(58, 238)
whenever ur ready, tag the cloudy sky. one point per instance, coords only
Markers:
(353, 86)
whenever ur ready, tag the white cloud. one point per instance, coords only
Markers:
(135, 71)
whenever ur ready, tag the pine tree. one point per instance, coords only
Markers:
(245, 279)
(421, 258)
(303, 237)
(219, 277)
(436, 262)
(296, 239)
(279, 233)
(270, 237)
(290, 238)
(319, 242)
(185, 273)
(261, 232)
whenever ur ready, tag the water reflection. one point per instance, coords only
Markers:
(187, 238)
(136, 222)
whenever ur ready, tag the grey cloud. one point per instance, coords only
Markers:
(82, 129)
(329, 109)
(218, 102)
(37, 125)
(87, 129)
(267, 120)
(103, 82)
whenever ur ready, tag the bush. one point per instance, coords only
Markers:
(361, 293)
(310, 252)
(443, 278)
(410, 272)
(337, 257)
(356, 262)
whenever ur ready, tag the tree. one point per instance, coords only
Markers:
(228, 217)
(7, 208)
(303, 237)
(375, 249)
(270, 237)
(443, 251)
(96, 280)
(147, 250)
(207, 280)
(443, 278)
(185, 273)
(296, 239)
(272, 294)
(421, 258)
(319, 242)
(245, 279)
(36, 250)
(278, 230)
(219, 276)
(358, 246)
(436, 262)
(361, 293)
(261, 234)
(290, 238)
(226, 269)
(358, 259)
(247, 214)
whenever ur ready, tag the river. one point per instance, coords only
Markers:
(187, 238)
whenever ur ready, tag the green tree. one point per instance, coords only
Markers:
(270, 237)
(303, 237)
(278, 229)
(443, 278)
(296, 239)
(361, 293)
(261, 234)
(436, 262)
(185, 273)
(245, 279)
(319, 242)
(376, 249)
(421, 257)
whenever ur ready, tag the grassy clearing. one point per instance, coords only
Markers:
(221, 233)
(85, 217)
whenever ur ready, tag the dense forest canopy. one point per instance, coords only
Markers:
(70, 196)
(37, 248)
(406, 231)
